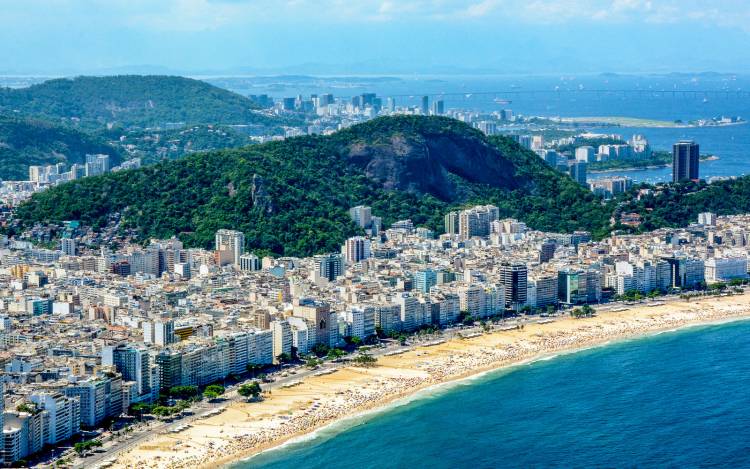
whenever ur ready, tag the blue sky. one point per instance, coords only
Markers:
(377, 36)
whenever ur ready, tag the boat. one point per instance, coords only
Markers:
(502, 101)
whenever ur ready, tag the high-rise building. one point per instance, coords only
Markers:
(476, 221)
(425, 105)
(707, 219)
(577, 171)
(329, 266)
(585, 154)
(356, 249)
(452, 223)
(233, 241)
(282, 339)
(68, 246)
(317, 313)
(64, 415)
(571, 286)
(438, 108)
(249, 262)
(611, 186)
(514, 276)
(424, 280)
(547, 250)
(685, 161)
(132, 362)
(361, 215)
(160, 332)
(97, 164)
(390, 104)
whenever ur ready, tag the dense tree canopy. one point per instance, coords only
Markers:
(291, 197)
(25, 142)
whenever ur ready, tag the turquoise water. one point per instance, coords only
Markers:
(678, 399)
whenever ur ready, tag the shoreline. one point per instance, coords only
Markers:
(290, 415)
(348, 422)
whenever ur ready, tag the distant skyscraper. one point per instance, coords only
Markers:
(577, 171)
(391, 104)
(438, 108)
(585, 154)
(685, 161)
(425, 105)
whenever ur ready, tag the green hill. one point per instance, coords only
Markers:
(132, 100)
(291, 197)
(156, 145)
(25, 142)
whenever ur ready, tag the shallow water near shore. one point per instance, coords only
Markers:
(677, 399)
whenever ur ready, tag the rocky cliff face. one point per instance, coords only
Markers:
(423, 164)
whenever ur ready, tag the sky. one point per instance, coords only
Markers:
(373, 36)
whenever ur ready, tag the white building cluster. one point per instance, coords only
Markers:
(85, 333)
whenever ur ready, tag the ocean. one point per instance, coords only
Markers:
(676, 399)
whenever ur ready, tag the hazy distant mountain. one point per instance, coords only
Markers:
(132, 100)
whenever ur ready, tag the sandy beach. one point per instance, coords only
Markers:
(244, 429)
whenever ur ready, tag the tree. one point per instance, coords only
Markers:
(210, 395)
(402, 339)
(250, 390)
(365, 360)
(283, 358)
(140, 408)
(312, 362)
(164, 411)
(183, 392)
(217, 388)
(83, 446)
(321, 350)
(551, 309)
(356, 341)
(335, 354)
